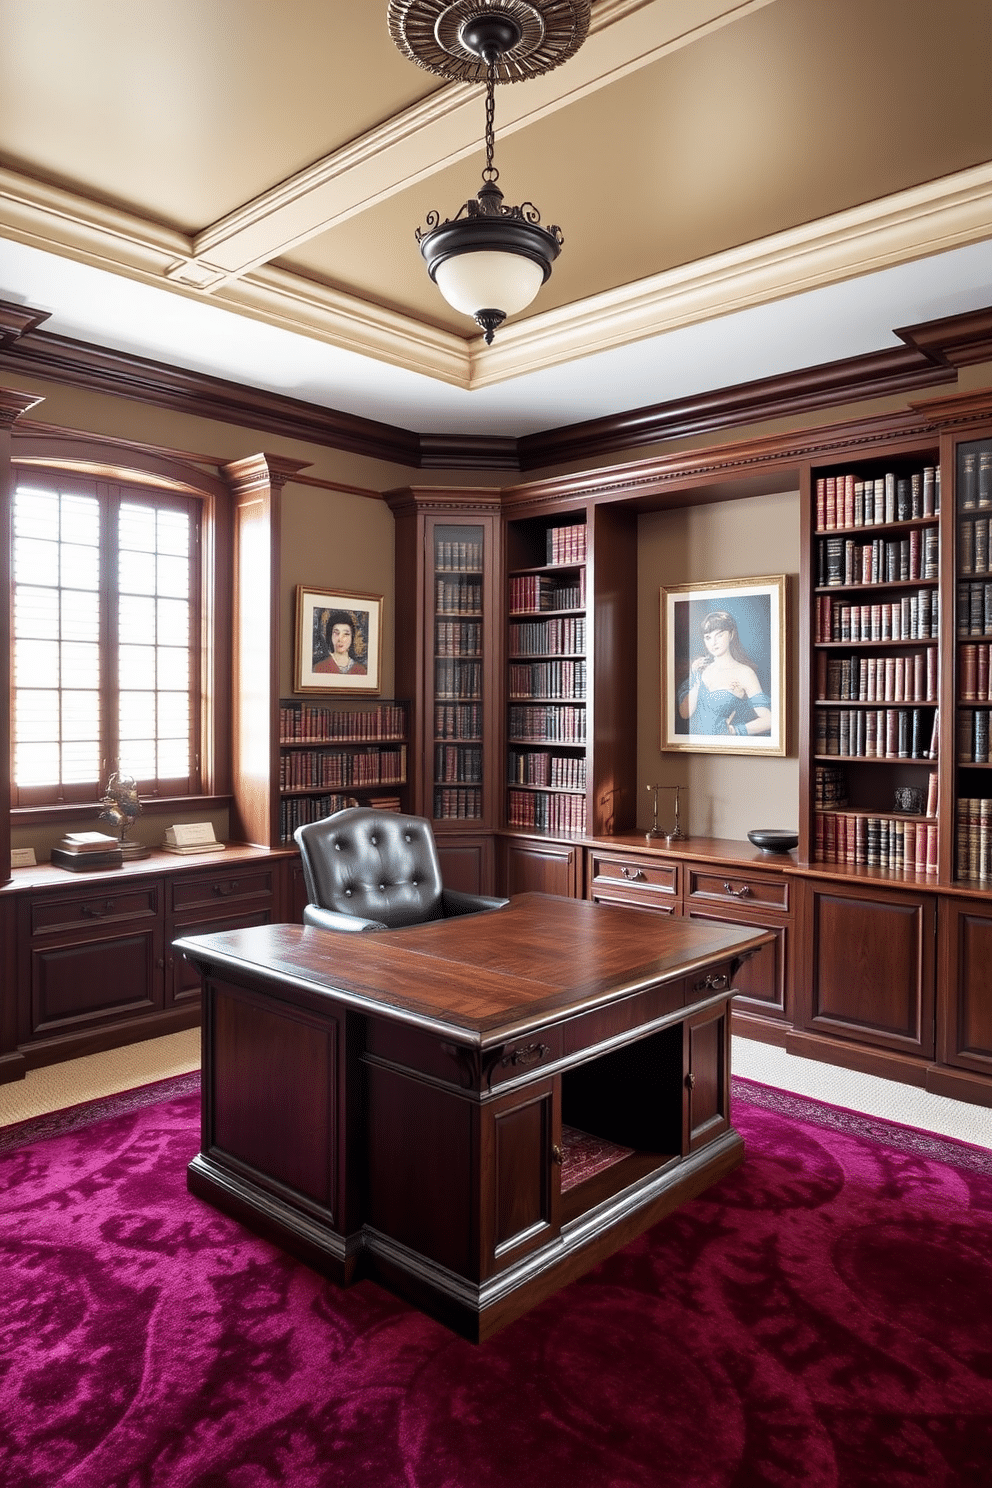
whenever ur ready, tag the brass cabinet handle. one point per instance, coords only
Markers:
(740, 893)
(690, 1081)
(97, 911)
(631, 873)
(557, 1156)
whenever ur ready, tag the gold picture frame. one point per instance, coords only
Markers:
(733, 632)
(327, 658)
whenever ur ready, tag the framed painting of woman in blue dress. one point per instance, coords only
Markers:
(723, 666)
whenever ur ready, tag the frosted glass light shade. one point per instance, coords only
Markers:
(488, 280)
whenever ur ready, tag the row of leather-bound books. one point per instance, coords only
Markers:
(875, 840)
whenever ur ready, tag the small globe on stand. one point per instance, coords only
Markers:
(121, 809)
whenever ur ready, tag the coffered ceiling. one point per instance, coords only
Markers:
(233, 185)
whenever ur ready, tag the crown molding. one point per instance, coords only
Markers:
(937, 349)
(661, 480)
(880, 374)
(59, 359)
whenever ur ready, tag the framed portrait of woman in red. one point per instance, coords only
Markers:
(723, 666)
(338, 641)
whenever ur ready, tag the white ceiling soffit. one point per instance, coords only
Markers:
(823, 325)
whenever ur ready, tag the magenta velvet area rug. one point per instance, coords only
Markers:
(821, 1318)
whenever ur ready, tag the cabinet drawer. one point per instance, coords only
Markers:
(640, 878)
(220, 888)
(726, 887)
(101, 905)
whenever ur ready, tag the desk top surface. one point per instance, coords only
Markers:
(483, 976)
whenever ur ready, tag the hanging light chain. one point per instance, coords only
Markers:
(490, 173)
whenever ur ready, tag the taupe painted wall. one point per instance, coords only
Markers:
(725, 794)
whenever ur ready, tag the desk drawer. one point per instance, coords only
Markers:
(100, 905)
(220, 888)
(723, 886)
(640, 878)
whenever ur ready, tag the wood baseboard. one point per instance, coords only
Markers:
(881, 1062)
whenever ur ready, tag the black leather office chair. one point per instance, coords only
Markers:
(377, 870)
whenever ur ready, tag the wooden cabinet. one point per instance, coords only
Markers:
(732, 895)
(866, 975)
(91, 956)
(964, 1027)
(93, 966)
(448, 613)
(218, 899)
(529, 865)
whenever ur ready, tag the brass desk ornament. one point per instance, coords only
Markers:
(121, 809)
(676, 834)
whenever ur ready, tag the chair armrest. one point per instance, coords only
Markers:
(329, 919)
(455, 903)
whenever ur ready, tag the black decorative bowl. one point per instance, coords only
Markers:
(773, 839)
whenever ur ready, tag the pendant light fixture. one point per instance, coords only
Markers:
(489, 260)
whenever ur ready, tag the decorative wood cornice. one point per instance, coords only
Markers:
(60, 359)
(407, 499)
(929, 358)
(965, 408)
(13, 404)
(877, 375)
(662, 480)
(957, 340)
(469, 452)
(16, 320)
(260, 473)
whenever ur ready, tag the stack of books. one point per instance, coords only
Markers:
(85, 852)
(192, 837)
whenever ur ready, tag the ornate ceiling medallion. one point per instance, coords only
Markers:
(489, 260)
(432, 34)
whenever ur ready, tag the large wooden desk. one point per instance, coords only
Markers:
(392, 1105)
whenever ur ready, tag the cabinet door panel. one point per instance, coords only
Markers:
(82, 984)
(707, 1095)
(519, 1135)
(537, 867)
(869, 967)
(183, 979)
(966, 986)
(762, 981)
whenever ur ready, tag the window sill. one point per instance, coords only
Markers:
(25, 816)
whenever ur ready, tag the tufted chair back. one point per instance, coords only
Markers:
(375, 865)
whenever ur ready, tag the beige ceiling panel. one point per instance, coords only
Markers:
(714, 146)
(626, 35)
(182, 112)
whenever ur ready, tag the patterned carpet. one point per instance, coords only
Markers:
(818, 1319)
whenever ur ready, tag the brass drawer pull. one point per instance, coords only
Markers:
(97, 911)
(713, 983)
(740, 893)
(529, 1055)
(633, 874)
(226, 888)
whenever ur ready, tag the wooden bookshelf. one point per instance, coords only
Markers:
(335, 755)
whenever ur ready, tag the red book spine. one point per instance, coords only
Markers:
(821, 504)
(830, 512)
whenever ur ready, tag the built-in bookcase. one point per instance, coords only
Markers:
(459, 681)
(332, 756)
(547, 682)
(973, 646)
(875, 717)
